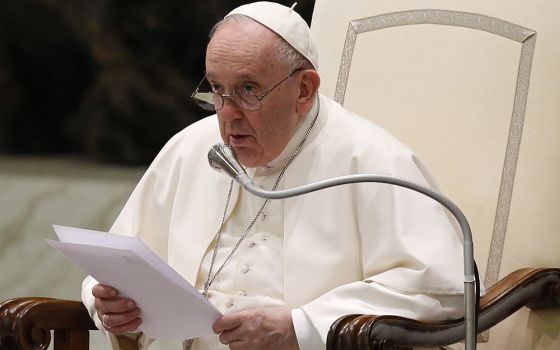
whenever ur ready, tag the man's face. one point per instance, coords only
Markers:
(242, 56)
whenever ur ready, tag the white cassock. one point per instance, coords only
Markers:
(361, 248)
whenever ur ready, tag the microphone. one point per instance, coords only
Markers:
(222, 158)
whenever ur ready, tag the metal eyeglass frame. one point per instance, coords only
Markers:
(206, 99)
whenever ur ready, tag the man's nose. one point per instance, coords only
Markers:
(230, 110)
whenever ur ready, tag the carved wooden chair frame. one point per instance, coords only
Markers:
(26, 323)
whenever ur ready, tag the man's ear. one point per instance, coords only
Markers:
(308, 86)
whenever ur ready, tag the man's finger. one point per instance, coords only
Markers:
(104, 292)
(111, 321)
(227, 322)
(230, 337)
(132, 326)
(106, 306)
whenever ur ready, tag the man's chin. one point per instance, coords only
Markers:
(248, 158)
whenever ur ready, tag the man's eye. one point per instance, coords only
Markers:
(215, 88)
(249, 89)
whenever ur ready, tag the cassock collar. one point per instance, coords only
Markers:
(292, 145)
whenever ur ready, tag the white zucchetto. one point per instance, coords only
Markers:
(285, 22)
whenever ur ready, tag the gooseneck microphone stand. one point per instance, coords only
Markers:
(222, 158)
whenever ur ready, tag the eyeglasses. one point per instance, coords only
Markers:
(247, 100)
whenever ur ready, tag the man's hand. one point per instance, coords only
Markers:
(267, 328)
(118, 315)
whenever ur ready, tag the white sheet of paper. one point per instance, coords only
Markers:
(171, 307)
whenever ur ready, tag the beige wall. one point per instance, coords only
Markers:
(36, 193)
(449, 93)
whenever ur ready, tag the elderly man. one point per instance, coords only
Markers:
(282, 271)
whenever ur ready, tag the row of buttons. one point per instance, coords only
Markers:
(245, 269)
(230, 303)
(253, 243)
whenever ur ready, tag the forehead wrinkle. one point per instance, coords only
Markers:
(240, 72)
(246, 48)
(235, 56)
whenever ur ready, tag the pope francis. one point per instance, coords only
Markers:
(283, 271)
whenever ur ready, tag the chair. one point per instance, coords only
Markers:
(533, 288)
(27, 322)
(463, 84)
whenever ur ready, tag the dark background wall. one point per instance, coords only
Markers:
(109, 80)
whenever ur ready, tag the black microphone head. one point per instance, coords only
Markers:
(222, 157)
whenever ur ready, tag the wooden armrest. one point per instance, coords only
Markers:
(25, 324)
(531, 287)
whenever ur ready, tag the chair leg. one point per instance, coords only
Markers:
(71, 339)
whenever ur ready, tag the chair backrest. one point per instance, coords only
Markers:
(474, 88)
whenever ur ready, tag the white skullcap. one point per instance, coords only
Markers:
(285, 22)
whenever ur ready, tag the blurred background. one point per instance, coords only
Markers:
(106, 79)
(89, 93)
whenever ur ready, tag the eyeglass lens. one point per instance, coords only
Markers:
(214, 101)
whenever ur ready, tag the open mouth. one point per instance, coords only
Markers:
(238, 140)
